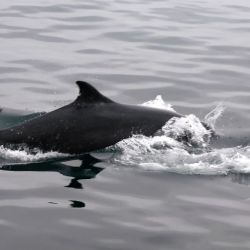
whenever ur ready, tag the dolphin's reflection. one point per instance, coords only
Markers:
(77, 204)
(79, 168)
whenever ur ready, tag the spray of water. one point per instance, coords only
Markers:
(158, 103)
(214, 114)
(182, 146)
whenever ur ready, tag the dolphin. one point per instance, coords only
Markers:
(89, 123)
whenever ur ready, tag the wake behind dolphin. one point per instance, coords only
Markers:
(90, 123)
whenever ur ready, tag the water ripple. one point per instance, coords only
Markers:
(193, 53)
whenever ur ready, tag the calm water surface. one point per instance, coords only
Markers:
(193, 53)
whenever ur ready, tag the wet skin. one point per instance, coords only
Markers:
(90, 123)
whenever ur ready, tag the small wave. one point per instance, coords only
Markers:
(22, 155)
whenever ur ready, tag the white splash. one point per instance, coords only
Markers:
(158, 103)
(182, 146)
(175, 147)
(26, 156)
(172, 156)
(188, 129)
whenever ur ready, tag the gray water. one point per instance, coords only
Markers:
(193, 53)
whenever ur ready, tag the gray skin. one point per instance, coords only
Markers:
(90, 123)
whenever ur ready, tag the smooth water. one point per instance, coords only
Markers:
(143, 193)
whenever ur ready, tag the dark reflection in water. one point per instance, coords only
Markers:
(77, 204)
(74, 183)
(86, 170)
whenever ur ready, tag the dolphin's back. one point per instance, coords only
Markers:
(87, 124)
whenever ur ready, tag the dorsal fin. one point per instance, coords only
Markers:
(88, 94)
